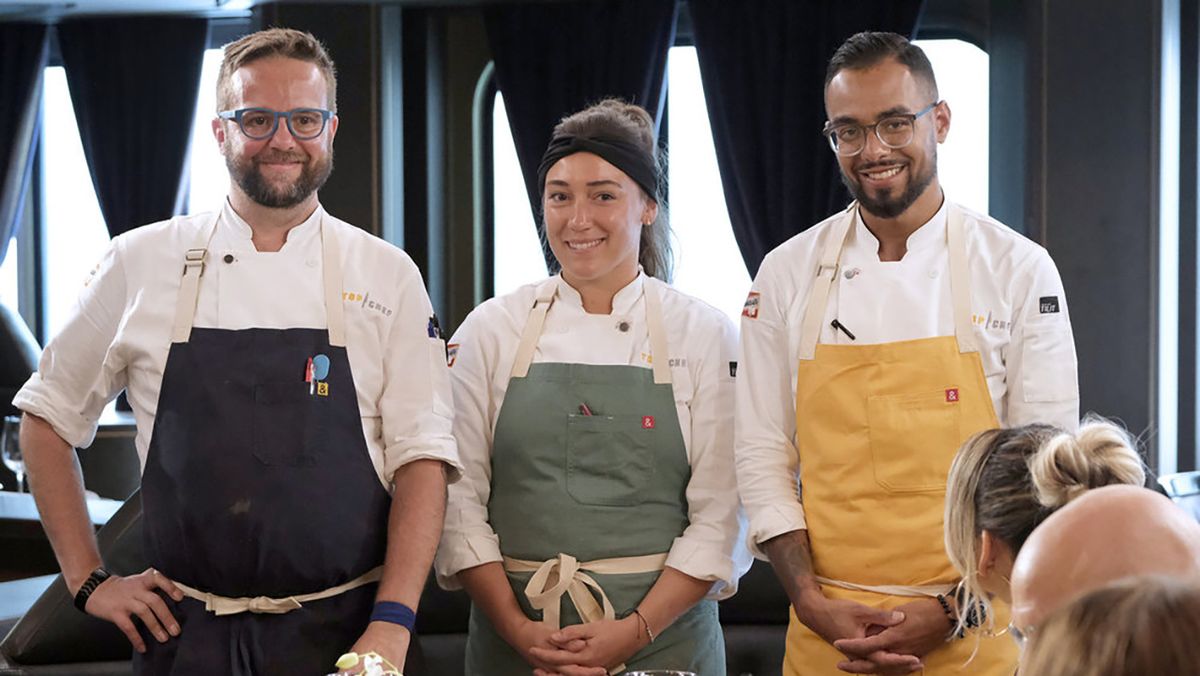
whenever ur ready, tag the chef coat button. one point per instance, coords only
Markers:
(228, 258)
(852, 273)
(623, 326)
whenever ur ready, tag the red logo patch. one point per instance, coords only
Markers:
(647, 422)
(750, 309)
(952, 395)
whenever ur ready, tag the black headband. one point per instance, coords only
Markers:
(627, 157)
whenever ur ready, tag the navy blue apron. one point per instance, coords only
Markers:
(258, 482)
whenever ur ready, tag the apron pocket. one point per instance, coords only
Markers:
(913, 440)
(610, 459)
(287, 424)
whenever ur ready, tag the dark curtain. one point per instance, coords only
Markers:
(22, 59)
(554, 59)
(133, 83)
(763, 67)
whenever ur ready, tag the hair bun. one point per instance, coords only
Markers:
(1101, 453)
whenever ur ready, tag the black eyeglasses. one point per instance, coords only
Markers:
(262, 123)
(893, 131)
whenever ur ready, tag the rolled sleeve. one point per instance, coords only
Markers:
(1041, 364)
(416, 398)
(711, 548)
(81, 368)
(467, 536)
(768, 465)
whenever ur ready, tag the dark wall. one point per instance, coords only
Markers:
(1075, 137)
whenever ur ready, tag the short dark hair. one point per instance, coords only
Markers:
(863, 50)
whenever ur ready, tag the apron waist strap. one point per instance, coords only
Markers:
(224, 605)
(563, 574)
(924, 590)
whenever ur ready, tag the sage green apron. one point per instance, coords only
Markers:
(578, 500)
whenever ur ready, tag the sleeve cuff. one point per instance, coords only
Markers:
(444, 449)
(74, 428)
(706, 561)
(772, 521)
(459, 552)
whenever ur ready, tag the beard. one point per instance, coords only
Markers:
(887, 204)
(245, 172)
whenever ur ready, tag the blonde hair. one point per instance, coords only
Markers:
(1140, 625)
(283, 42)
(1007, 481)
(616, 119)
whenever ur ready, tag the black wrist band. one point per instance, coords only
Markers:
(89, 585)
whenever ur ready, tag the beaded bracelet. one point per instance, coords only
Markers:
(645, 624)
(957, 633)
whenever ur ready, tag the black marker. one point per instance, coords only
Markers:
(842, 327)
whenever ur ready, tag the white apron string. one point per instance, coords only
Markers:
(827, 269)
(660, 359)
(924, 590)
(225, 605)
(194, 261)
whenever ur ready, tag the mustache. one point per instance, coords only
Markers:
(280, 157)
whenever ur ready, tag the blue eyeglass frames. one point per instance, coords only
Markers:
(262, 123)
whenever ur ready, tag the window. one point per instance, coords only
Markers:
(708, 264)
(10, 277)
(74, 234)
(208, 182)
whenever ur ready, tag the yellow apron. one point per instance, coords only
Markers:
(877, 427)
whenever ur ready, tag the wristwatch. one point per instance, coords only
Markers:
(89, 585)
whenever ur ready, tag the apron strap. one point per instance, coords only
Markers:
(924, 590)
(331, 266)
(225, 605)
(660, 358)
(193, 268)
(960, 284)
(189, 286)
(827, 269)
(533, 327)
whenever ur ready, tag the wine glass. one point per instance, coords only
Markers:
(10, 449)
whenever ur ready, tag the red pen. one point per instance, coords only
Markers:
(583, 408)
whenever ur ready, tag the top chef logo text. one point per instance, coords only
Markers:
(989, 322)
(364, 300)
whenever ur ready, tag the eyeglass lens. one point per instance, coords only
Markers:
(303, 124)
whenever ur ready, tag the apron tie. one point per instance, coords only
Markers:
(564, 574)
(225, 605)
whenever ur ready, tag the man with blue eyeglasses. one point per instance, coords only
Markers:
(292, 403)
(873, 344)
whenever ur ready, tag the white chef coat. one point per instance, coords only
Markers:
(702, 343)
(119, 332)
(1018, 311)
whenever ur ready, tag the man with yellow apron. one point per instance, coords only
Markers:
(873, 345)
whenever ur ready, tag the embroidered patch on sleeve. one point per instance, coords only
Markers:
(1048, 304)
(451, 354)
(733, 369)
(750, 309)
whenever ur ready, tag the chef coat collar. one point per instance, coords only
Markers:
(932, 233)
(622, 302)
(242, 233)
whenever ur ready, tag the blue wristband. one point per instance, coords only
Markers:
(396, 613)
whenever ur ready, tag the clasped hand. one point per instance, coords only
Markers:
(881, 641)
(581, 649)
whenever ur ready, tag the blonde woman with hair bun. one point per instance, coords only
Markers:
(1004, 482)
